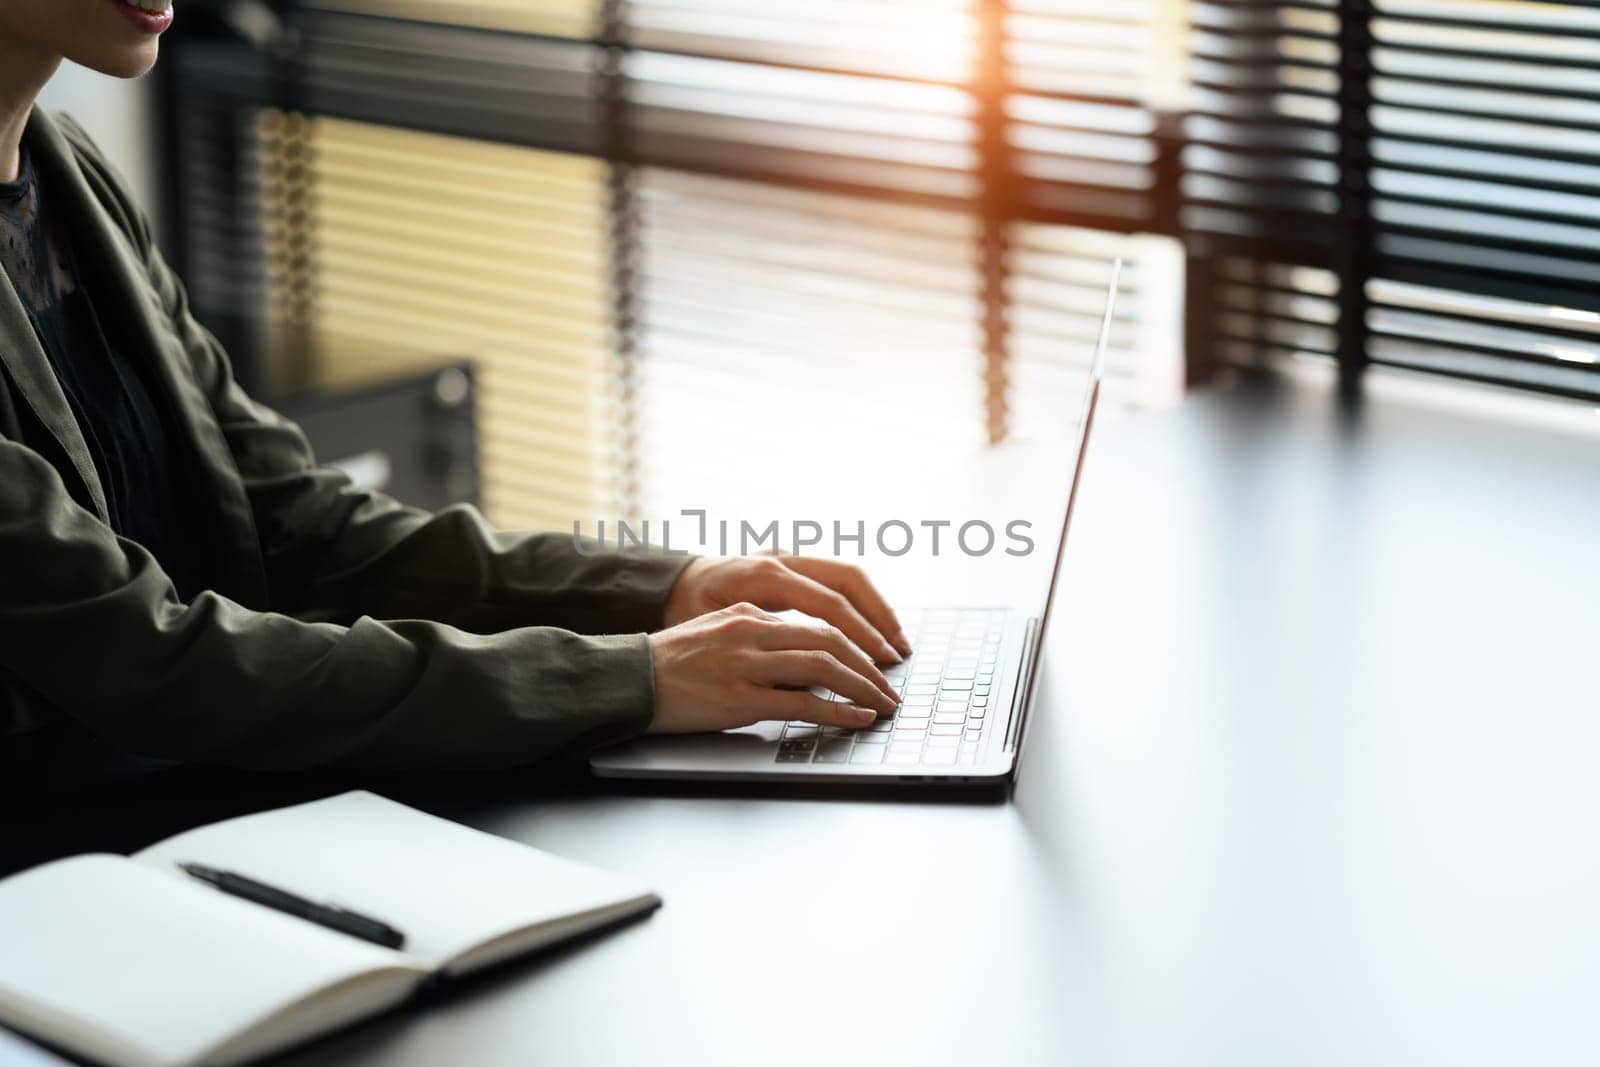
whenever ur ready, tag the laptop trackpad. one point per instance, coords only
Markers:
(732, 750)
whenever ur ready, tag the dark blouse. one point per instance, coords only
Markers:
(130, 433)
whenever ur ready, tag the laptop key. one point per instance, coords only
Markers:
(834, 751)
(867, 754)
(794, 757)
(874, 738)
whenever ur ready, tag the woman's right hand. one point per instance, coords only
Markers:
(741, 665)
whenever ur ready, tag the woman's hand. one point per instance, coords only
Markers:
(740, 665)
(834, 592)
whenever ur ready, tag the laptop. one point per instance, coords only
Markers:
(966, 693)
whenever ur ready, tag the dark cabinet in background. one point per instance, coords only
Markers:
(414, 437)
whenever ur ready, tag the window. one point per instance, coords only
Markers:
(643, 217)
(1407, 183)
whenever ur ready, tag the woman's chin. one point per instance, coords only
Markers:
(129, 61)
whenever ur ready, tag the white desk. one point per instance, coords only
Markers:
(1313, 782)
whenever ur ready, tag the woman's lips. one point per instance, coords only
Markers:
(151, 22)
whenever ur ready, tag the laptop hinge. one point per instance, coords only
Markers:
(1019, 695)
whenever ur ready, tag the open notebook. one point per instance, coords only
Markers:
(129, 961)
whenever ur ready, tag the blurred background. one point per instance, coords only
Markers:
(573, 259)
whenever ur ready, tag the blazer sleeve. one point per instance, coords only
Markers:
(91, 623)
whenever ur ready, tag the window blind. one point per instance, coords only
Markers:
(796, 218)
(903, 200)
(1082, 84)
(1403, 182)
(783, 327)
(391, 248)
(1086, 161)
(480, 81)
(973, 113)
(1486, 190)
(808, 237)
(552, 18)
(1264, 213)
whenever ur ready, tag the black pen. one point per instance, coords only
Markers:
(334, 918)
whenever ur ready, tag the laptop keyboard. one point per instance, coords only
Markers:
(946, 688)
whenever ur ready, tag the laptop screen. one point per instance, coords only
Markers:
(1091, 401)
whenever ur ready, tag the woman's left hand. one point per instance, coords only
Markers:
(837, 593)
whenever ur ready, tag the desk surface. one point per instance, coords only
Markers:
(1312, 782)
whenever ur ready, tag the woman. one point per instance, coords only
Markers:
(178, 576)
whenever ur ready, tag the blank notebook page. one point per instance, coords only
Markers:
(160, 968)
(448, 888)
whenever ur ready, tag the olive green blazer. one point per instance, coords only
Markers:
(344, 629)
